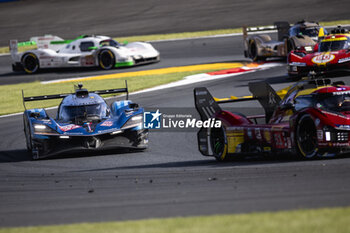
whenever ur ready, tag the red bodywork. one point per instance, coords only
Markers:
(312, 120)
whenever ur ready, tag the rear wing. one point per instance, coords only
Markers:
(281, 27)
(207, 106)
(61, 96)
(41, 42)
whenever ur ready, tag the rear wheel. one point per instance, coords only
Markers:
(218, 143)
(106, 59)
(30, 63)
(306, 137)
(253, 51)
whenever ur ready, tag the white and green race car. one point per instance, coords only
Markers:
(84, 51)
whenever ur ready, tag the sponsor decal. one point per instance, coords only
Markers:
(320, 135)
(342, 60)
(250, 133)
(345, 127)
(272, 99)
(267, 136)
(257, 133)
(107, 123)
(68, 127)
(88, 60)
(341, 93)
(323, 58)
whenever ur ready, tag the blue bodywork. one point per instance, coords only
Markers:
(84, 121)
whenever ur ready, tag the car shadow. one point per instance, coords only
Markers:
(13, 156)
(211, 162)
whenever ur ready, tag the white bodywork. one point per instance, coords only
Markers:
(83, 52)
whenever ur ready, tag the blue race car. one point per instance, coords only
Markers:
(84, 121)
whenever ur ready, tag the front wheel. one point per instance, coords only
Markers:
(106, 59)
(218, 143)
(306, 137)
(27, 134)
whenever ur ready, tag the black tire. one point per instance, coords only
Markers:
(30, 63)
(218, 143)
(253, 51)
(306, 138)
(106, 59)
(27, 134)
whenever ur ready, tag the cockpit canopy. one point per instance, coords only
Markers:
(326, 101)
(337, 103)
(307, 31)
(92, 112)
(333, 45)
(109, 42)
(77, 108)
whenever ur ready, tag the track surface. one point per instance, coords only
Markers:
(26, 18)
(171, 178)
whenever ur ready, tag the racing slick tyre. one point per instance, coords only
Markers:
(27, 134)
(30, 63)
(306, 137)
(29, 141)
(106, 59)
(253, 51)
(218, 143)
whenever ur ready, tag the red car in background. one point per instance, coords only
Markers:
(332, 54)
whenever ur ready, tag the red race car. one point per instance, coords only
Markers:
(331, 54)
(312, 120)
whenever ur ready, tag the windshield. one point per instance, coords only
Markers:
(337, 103)
(112, 43)
(83, 113)
(311, 31)
(333, 45)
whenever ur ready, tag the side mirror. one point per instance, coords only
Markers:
(287, 106)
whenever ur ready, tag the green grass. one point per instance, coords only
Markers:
(182, 35)
(11, 95)
(330, 220)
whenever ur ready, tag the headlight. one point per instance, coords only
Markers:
(43, 129)
(134, 121)
(125, 59)
(308, 48)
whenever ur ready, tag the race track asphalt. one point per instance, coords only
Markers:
(171, 178)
